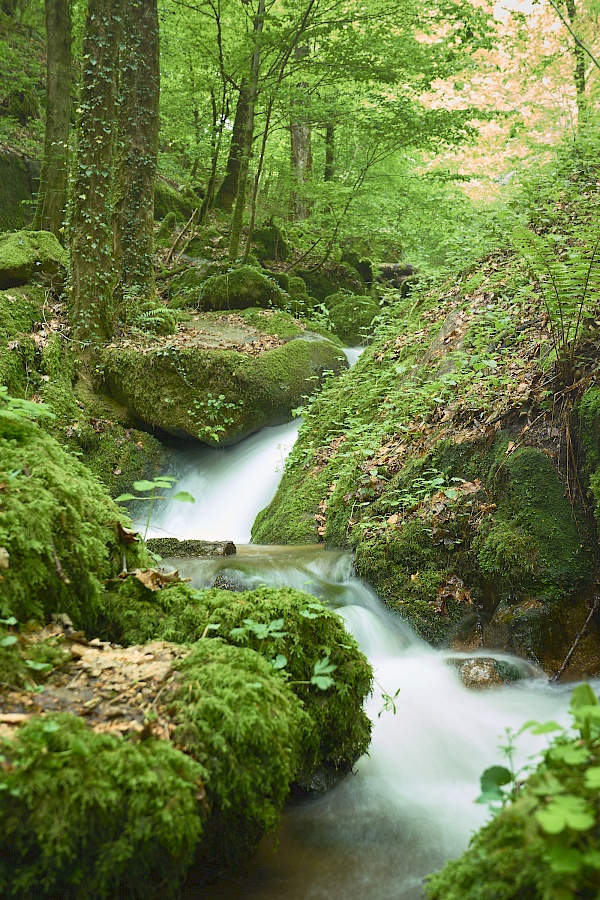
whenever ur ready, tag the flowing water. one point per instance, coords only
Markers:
(410, 804)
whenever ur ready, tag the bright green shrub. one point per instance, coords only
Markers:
(88, 815)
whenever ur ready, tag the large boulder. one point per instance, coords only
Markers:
(240, 289)
(31, 256)
(18, 184)
(218, 381)
(351, 316)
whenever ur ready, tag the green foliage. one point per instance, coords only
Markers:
(239, 720)
(161, 483)
(545, 841)
(570, 285)
(92, 815)
(351, 316)
(339, 730)
(24, 663)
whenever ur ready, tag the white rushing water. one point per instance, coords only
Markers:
(410, 804)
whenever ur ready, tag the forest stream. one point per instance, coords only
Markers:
(410, 803)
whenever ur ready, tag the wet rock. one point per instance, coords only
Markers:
(174, 547)
(479, 673)
(226, 580)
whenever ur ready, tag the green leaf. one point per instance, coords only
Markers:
(10, 621)
(122, 497)
(9, 640)
(491, 781)
(322, 681)
(37, 666)
(323, 666)
(592, 777)
(254, 684)
(564, 861)
(184, 497)
(144, 485)
(583, 695)
(280, 661)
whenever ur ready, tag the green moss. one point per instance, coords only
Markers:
(58, 526)
(587, 419)
(236, 717)
(19, 309)
(273, 322)
(169, 200)
(240, 289)
(282, 279)
(507, 555)
(25, 663)
(351, 316)
(270, 243)
(290, 516)
(16, 191)
(31, 256)
(164, 235)
(170, 388)
(92, 815)
(339, 730)
(328, 279)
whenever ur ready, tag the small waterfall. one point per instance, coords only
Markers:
(230, 486)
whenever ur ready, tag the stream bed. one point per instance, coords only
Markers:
(410, 803)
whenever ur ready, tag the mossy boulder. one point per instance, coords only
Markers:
(239, 289)
(57, 526)
(270, 243)
(31, 256)
(169, 199)
(338, 731)
(330, 278)
(216, 395)
(123, 819)
(20, 308)
(351, 316)
(17, 188)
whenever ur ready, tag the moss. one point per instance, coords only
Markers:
(339, 730)
(31, 256)
(240, 289)
(282, 279)
(16, 192)
(164, 235)
(93, 815)
(328, 279)
(270, 243)
(58, 526)
(587, 421)
(25, 663)
(290, 516)
(19, 309)
(351, 316)
(273, 322)
(169, 200)
(170, 389)
(238, 719)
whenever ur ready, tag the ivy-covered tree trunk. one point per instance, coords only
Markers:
(579, 58)
(301, 145)
(52, 195)
(227, 192)
(137, 150)
(240, 200)
(91, 227)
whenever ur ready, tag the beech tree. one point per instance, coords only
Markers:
(52, 194)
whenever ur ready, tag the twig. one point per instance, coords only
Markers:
(179, 236)
(58, 564)
(577, 641)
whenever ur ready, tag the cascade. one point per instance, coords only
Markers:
(410, 803)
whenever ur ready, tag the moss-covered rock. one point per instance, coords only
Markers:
(270, 243)
(240, 289)
(93, 815)
(351, 316)
(167, 199)
(58, 527)
(338, 732)
(16, 191)
(240, 721)
(330, 278)
(20, 308)
(216, 395)
(31, 256)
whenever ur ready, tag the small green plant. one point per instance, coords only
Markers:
(217, 409)
(18, 409)
(152, 489)
(570, 286)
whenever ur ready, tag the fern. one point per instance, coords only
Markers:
(570, 289)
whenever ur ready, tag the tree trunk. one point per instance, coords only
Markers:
(240, 199)
(137, 150)
(227, 193)
(579, 71)
(301, 147)
(52, 195)
(91, 238)
(329, 170)
(261, 160)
